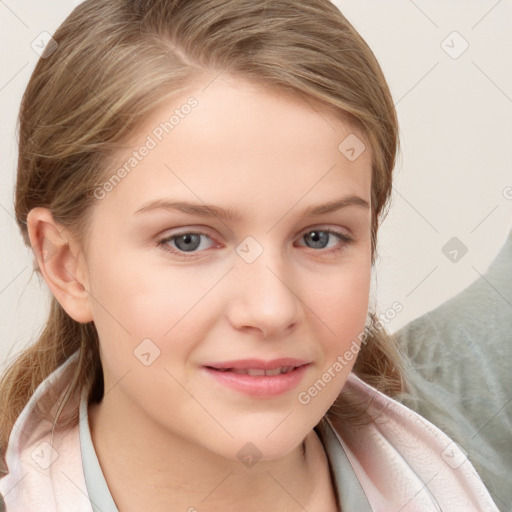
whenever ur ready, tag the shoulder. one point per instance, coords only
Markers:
(44, 463)
(401, 458)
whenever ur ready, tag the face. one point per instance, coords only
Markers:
(251, 271)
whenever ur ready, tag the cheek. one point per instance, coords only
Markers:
(341, 300)
(340, 308)
(134, 299)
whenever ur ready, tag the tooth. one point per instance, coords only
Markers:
(255, 371)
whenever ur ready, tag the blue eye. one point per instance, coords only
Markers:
(186, 244)
(320, 237)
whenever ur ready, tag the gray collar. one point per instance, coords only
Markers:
(349, 492)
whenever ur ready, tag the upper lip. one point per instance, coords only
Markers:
(258, 364)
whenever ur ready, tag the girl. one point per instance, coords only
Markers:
(202, 183)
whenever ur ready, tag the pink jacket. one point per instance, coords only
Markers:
(403, 462)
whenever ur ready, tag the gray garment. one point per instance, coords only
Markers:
(97, 488)
(349, 492)
(462, 372)
(342, 474)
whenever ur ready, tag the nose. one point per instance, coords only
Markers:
(263, 297)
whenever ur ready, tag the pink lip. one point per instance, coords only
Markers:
(244, 364)
(263, 386)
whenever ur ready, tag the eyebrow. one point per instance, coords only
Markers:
(229, 214)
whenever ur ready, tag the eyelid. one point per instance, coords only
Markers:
(187, 231)
(328, 229)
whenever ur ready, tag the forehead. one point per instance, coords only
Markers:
(230, 139)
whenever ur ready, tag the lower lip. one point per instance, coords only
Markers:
(260, 385)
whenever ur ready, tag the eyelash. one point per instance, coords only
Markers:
(163, 243)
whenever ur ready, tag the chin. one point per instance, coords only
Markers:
(257, 446)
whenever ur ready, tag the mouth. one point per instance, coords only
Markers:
(257, 372)
(258, 378)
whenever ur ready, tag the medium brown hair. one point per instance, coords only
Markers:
(115, 62)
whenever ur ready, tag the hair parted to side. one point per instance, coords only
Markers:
(116, 60)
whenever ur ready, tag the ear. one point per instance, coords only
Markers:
(60, 263)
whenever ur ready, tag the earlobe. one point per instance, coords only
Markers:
(57, 257)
